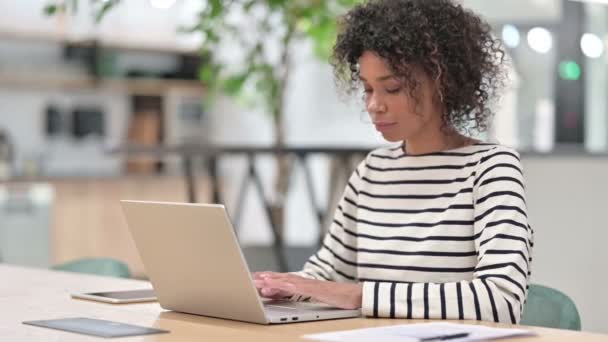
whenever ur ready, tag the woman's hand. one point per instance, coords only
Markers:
(281, 285)
(259, 279)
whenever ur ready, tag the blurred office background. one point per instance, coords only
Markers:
(73, 93)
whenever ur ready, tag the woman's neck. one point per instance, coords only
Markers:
(435, 141)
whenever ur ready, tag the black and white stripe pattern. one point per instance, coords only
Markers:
(442, 236)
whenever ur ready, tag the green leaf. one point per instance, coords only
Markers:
(189, 29)
(51, 9)
(249, 5)
(209, 74)
(105, 8)
(349, 3)
(304, 25)
(276, 4)
(211, 35)
(55, 8)
(217, 8)
(324, 36)
(233, 85)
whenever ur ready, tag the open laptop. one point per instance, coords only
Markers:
(196, 266)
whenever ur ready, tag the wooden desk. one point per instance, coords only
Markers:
(31, 294)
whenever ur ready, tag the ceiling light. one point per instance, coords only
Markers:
(540, 40)
(591, 45)
(510, 36)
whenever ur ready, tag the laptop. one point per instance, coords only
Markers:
(196, 266)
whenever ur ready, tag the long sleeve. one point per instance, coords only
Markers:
(325, 264)
(503, 243)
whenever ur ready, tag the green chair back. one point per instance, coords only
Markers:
(97, 266)
(547, 307)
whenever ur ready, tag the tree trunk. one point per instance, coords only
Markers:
(282, 181)
(283, 164)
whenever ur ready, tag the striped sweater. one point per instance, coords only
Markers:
(436, 236)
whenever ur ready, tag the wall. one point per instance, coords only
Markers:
(567, 205)
(22, 113)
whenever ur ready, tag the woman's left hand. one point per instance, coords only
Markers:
(340, 295)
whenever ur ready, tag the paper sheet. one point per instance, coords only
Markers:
(416, 332)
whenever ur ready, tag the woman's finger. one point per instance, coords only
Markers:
(261, 275)
(281, 284)
(274, 275)
(269, 292)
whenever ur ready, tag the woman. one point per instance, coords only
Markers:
(435, 227)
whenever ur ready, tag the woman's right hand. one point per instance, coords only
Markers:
(259, 279)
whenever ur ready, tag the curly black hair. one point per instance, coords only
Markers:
(450, 44)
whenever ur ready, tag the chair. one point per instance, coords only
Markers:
(547, 307)
(98, 266)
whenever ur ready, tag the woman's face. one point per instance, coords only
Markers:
(389, 104)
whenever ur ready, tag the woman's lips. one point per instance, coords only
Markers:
(383, 126)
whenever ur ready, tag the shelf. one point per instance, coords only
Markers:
(59, 39)
(79, 79)
(133, 86)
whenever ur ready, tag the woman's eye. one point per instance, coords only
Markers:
(367, 91)
(393, 90)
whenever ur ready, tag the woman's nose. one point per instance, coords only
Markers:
(375, 106)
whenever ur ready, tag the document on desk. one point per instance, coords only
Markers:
(437, 331)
